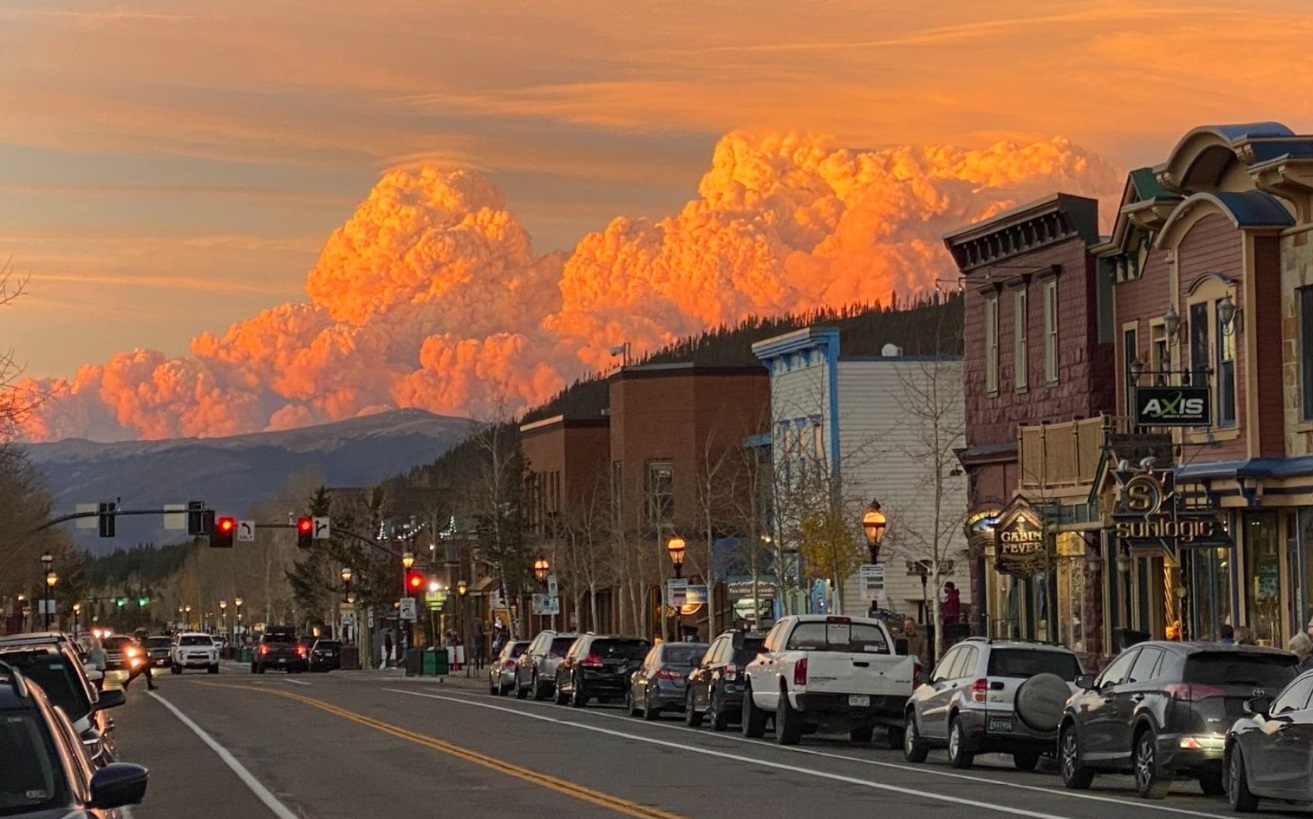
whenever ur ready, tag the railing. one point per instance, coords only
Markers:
(1066, 454)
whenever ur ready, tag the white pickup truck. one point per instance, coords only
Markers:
(837, 672)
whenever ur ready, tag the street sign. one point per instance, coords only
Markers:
(408, 609)
(553, 589)
(695, 594)
(546, 604)
(676, 592)
(87, 522)
(175, 517)
(246, 531)
(323, 528)
(872, 575)
(348, 619)
(435, 599)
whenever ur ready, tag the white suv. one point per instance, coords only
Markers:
(193, 649)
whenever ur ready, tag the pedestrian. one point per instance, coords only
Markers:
(950, 611)
(1245, 637)
(144, 668)
(480, 644)
(917, 645)
(1302, 646)
(387, 649)
(1227, 634)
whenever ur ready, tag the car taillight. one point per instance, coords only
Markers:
(264, 649)
(667, 674)
(510, 664)
(800, 672)
(591, 661)
(979, 689)
(1190, 692)
(731, 671)
(300, 650)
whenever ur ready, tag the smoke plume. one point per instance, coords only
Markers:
(432, 296)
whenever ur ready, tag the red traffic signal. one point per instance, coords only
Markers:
(222, 535)
(305, 528)
(414, 580)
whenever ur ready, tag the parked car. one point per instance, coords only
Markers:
(716, 683)
(536, 672)
(992, 696)
(56, 667)
(158, 650)
(193, 650)
(325, 655)
(1161, 710)
(279, 648)
(661, 682)
(1269, 751)
(501, 671)
(820, 670)
(46, 770)
(598, 666)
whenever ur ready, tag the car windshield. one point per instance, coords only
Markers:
(1027, 662)
(684, 654)
(195, 640)
(838, 634)
(1264, 670)
(621, 649)
(56, 676)
(515, 649)
(117, 643)
(27, 778)
(157, 642)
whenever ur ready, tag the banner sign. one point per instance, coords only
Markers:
(1173, 407)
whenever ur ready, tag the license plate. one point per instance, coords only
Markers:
(1000, 724)
(859, 700)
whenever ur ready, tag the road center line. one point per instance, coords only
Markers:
(261, 792)
(1059, 792)
(296, 682)
(850, 780)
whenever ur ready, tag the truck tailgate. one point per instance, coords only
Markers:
(875, 674)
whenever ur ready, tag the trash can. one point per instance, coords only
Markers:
(244, 655)
(441, 665)
(413, 662)
(430, 668)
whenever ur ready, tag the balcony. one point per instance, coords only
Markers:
(1053, 457)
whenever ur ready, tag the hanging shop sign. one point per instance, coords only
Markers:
(979, 528)
(1148, 516)
(1173, 407)
(1020, 548)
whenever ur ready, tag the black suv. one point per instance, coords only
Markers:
(1161, 711)
(598, 665)
(46, 771)
(715, 687)
(279, 648)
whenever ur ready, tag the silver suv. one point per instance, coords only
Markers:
(992, 696)
(536, 672)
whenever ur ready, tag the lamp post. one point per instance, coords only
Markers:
(187, 610)
(77, 609)
(675, 548)
(51, 580)
(223, 616)
(47, 566)
(407, 560)
(237, 628)
(542, 568)
(873, 525)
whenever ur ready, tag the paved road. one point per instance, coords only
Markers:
(361, 744)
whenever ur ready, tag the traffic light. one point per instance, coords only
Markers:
(221, 537)
(305, 532)
(414, 581)
(206, 523)
(105, 517)
(121, 602)
(196, 518)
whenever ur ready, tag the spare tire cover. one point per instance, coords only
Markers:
(1040, 701)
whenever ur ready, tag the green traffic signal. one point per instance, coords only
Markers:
(143, 601)
(121, 602)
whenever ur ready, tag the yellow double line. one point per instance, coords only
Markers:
(553, 783)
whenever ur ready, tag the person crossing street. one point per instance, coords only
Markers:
(140, 637)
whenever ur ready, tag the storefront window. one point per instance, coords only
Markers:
(1303, 603)
(1263, 572)
(1209, 584)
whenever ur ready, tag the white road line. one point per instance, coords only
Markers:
(261, 792)
(296, 682)
(981, 780)
(850, 780)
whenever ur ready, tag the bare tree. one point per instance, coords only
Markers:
(585, 557)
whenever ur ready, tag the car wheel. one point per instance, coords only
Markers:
(754, 719)
(578, 699)
(1237, 783)
(173, 669)
(1212, 783)
(958, 755)
(629, 703)
(1149, 781)
(1025, 760)
(650, 712)
(539, 693)
(716, 711)
(788, 722)
(214, 669)
(494, 689)
(521, 692)
(861, 733)
(915, 749)
(561, 697)
(1075, 776)
(691, 717)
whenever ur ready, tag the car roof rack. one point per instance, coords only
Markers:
(16, 680)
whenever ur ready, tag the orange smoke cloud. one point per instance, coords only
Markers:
(431, 294)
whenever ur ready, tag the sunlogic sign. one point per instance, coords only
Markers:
(1020, 548)
(1147, 515)
(1173, 407)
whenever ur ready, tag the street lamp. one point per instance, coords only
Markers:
(873, 524)
(187, 609)
(223, 615)
(77, 609)
(346, 582)
(47, 565)
(51, 580)
(675, 548)
(541, 568)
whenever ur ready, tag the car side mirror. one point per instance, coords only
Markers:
(1085, 682)
(739, 641)
(111, 698)
(118, 784)
(1258, 706)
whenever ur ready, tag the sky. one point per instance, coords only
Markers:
(247, 215)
